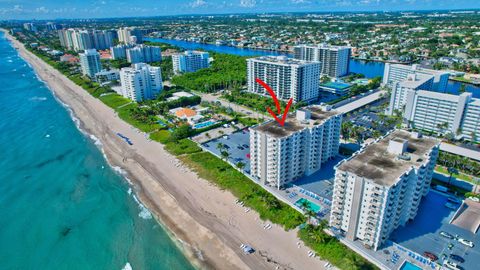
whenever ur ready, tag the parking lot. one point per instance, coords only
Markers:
(236, 144)
(422, 234)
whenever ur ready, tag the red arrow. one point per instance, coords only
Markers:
(277, 103)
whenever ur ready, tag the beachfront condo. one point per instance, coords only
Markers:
(287, 77)
(334, 60)
(141, 82)
(380, 187)
(398, 73)
(90, 62)
(282, 154)
(79, 40)
(189, 61)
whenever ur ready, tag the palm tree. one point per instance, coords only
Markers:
(220, 146)
(240, 165)
(451, 172)
(225, 155)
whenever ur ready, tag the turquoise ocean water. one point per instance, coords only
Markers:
(61, 205)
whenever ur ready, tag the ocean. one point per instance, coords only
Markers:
(61, 205)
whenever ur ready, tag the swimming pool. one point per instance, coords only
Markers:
(410, 266)
(204, 124)
(314, 207)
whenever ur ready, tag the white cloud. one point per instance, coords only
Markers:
(198, 3)
(248, 3)
(300, 1)
(17, 8)
(42, 10)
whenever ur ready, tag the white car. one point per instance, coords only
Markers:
(446, 235)
(466, 242)
(451, 265)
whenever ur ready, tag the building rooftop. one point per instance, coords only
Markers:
(292, 124)
(468, 216)
(283, 60)
(415, 81)
(378, 164)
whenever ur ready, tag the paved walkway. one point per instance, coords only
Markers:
(360, 102)
(460, 151)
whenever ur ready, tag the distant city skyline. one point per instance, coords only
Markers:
(53, 9)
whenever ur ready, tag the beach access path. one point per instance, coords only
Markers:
(203, 218)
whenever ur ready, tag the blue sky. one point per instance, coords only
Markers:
(51, 9)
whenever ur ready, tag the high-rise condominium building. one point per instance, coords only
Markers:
(334, 60)
(90, 62)
(282, 154)
(141, 82)
(400, 90)
(444, 113)
(128, 35)
(397, 73)
(120, 51)
(79, 40)
(144, 54)
(380, 187)
(189, 61)
(288, 77)
(30, 27)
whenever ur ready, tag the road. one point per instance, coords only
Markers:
(358, 103)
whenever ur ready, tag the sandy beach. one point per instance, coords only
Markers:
(203, 218)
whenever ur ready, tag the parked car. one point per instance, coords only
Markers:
(457, 258)
(446, 235)
(451, 206)
(451, 265)
(430, 255)
(466, 242)
(454, 200)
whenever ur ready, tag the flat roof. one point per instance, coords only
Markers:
(374, 162)
(468, 216)
(292, 125)
(284, 60)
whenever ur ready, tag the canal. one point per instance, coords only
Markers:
(370, 69)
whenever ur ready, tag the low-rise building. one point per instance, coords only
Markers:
(282, 154)
(381, 186)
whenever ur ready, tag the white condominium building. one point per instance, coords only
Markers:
(79, 40)
(397, 73)
(288, 77)
(282, 154)
(380, 187)
(334, 59)
(120, 51)
(400, 90)
(190, 61)
(128, 35)
(144, 54)
(141, 82)
(444, 113)
(90, 62)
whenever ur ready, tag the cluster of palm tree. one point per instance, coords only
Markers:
(223, 151)
(463, 164)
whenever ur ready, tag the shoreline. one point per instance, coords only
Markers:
(200, 216)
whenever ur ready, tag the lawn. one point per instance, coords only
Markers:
(332, 250)
(161, 136)
(459, 176)
(114, 100)
(125, 114)
(226, 177)
(183, 146)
